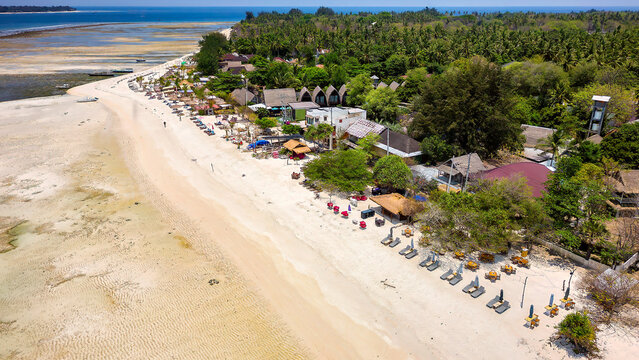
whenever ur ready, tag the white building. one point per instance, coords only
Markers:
(340, 117)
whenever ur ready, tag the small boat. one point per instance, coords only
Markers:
(122, 71)
(88, 99)
(101, 73)
(63, 86)
(140, 60)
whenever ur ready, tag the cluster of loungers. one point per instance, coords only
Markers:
(408, 252)
(201, 125)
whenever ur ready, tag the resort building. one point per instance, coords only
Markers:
(625, 200)
(392, 142)
(278, 99)
(339, 118)
(535, 174)
(459, 169)
(300, 109)
(533, 135)
(242, 96)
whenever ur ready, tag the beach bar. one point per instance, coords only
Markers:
(395, 206)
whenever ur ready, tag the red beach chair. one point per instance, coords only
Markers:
(363, 198)
(336, 209)
(345, 213)
(362, 225)
(330, 205)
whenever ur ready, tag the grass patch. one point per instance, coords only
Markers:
(10, 230)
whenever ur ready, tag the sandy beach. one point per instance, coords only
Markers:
(124, 223)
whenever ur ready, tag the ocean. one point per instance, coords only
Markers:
(12, 23)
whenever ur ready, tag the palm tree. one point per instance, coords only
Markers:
(553, 143)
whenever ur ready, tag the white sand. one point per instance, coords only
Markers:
(319, 272)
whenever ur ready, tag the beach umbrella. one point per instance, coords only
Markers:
(501, 295)
(476, 281)
(349, 208)
(532, 310)
(412, 246)
(552, 298)
(567, 293)
(461, 268)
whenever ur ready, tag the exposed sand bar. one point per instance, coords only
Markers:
(312, 281)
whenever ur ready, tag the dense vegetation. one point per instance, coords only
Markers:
(35, 8)
(579, 330)
(485, 73)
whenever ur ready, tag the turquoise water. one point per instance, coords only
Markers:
(9, 23)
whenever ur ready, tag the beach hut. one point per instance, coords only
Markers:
(343, 94)
(395, 205)
(333, 96)
(296, 147)
(319, 96)
(394, 85)
(305, 95)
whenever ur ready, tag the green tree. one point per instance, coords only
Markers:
(468, 105)
(345, 170)
(579, 330)
(392, 172)
(291, 129)
(261, 112)
(314, 76)
(396, 65)
(553, 143)
(212, 47)
(381, 104)
(225, 82)
(339, 76)
(280, 75)
(266, 122)
(620, 109)
(415, 79)
(358, 88)
(367, 143)
(436, 150)
(324, 11)
(623, 145)
(589, 152)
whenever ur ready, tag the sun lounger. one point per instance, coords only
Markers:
(468, 287)
(477, 293)
(405, 250)
(454, 281)
(426, 262)
(434, 266)
(446, 274)
(387, 240)
(492, 302)
(395, 242)
(411, 254)
(505, 306)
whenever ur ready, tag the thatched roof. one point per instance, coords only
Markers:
(382, 85)
(330, 90)
(394, 85)
(460, 165)
(316, 92)
(342, 91)
(296, 147)
(534, 134)
(279, 97)
(627, 182)
(302, 92)
(395, 204)
(239, 96)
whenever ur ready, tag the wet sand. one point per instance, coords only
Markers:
(97, 267)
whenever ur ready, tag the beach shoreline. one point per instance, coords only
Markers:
(322, 278)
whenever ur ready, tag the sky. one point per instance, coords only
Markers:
(336, 3)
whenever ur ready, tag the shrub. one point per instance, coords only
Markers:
(580, 331)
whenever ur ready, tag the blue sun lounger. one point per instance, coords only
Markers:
(492, 302)
(395, 242)
(411, 254)
(477, 293)
(446, 274)
(469, 286)
(434, 265)
(405, 250)
(454, 281)
(505, 306)
(426, 262)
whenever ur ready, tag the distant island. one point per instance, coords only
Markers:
(24, 9)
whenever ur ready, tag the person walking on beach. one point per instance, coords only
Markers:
(165, 124)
